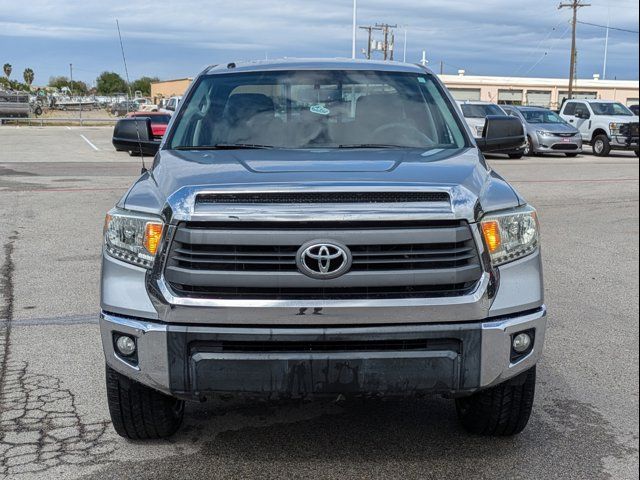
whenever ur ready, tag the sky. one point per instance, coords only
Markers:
(178, 39)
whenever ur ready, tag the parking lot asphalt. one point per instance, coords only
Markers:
(56, 184)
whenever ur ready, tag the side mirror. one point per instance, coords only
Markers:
(501, 133)
(135, 135)
(582, 115)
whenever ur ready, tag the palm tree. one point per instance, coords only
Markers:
(7, 69)
(28, 76)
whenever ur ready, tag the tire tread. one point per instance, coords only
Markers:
(139, 412)
(503, 410)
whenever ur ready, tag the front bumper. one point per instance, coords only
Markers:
(623, 142)
(192, 361)
(552, 144)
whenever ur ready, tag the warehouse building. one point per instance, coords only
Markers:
(169, 88)
(542, 92)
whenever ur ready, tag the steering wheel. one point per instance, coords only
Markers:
(403, 131)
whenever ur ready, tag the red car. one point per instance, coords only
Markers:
(159, 121)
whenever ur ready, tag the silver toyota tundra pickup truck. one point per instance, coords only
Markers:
(325, 227)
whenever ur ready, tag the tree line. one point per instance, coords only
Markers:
(7, 82)
(107, 83)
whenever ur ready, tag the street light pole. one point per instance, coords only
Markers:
(606, 51)
(354, 29)
(404, 49)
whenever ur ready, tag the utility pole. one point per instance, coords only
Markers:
(575, 5)
(387, 46)
(389, 38)
(369, 30)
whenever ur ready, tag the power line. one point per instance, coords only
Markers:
(537, 49)
(610, 28)
(548, 50)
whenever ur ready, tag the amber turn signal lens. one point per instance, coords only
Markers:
(491, 232)
(107, 221)
(152, 234)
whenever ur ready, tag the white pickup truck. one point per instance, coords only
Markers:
(171, 105)
(604, 124)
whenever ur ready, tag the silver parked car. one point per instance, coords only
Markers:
(546, 131)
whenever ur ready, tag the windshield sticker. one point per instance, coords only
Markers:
(320, 110)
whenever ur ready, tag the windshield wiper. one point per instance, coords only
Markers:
(225, 146)
(373, 145)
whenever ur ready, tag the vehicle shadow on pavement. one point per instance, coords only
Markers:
(408, 438)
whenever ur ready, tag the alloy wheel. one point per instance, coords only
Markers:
(598, 147)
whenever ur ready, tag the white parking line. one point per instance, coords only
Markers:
(90, 144)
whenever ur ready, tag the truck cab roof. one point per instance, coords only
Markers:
(315, 64)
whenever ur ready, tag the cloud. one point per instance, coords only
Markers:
(492, 36)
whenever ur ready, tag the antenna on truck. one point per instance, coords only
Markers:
(126, 73)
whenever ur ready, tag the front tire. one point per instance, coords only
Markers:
(528, 148)
(501, 411)
(601, 146)
(139, 412)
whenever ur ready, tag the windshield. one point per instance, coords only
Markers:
(541, 116)
(611, 109)
(470, 110)
(317, 109)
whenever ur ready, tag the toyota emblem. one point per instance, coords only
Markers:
(323, 259)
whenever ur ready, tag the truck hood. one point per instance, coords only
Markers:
(553, 127)
(178, 176)
(616, 118)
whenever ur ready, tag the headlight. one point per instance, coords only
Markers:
(479, 130)
(615, 128)
(544, 133)
(132, 237)
(510, 235)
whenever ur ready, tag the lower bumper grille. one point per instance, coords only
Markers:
(395, 345)
(565, 146)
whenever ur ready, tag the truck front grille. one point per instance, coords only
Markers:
(630, 129)
(345, 293)
(434, 259)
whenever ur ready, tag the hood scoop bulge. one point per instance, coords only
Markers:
(307, 166)
(310, 197)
